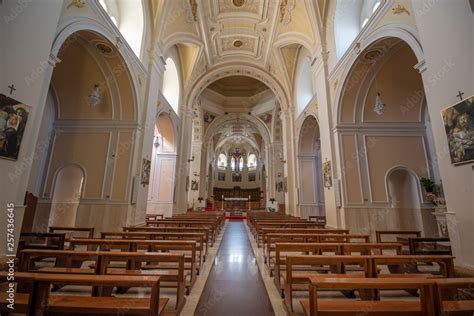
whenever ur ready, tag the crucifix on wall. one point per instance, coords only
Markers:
(460, 95)
(237, 156)
(12, 88)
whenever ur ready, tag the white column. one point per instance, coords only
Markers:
(287, 118)
(184, 154)
(446, 34)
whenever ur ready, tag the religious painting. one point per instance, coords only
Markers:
(194, 185)
(279, 186)
(221, 176)
(459, 126)
(236, 177)
(146, 167)
(13, 119)
(209, 117)
(327, 174)
(252, 177)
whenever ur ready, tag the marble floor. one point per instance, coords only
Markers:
(235, 285)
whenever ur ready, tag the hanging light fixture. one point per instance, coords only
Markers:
(379, 107)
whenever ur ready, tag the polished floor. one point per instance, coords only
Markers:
(234, 286)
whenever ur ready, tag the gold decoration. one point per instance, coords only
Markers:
(193, 5)
(283, 5)
(238, 3)
(76, 3)
(399, 9)
(336, 82)
(118, 41)
(238, 43)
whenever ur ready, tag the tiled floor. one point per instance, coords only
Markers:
(234, 285)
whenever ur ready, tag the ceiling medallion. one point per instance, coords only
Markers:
(104, 48)
(238, 43)
(238, 3)
(373, 55)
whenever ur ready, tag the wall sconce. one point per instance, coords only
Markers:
(191, 159)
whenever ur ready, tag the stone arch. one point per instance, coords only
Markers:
(71, 26)
(232, 69)
(398, 31)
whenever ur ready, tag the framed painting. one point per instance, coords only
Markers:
(327, 174)
(13, 119)
(458, 122)
(146, 167)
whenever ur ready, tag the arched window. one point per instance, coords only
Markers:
(232, 163)
(252, 161)
(349, 19)
(128, 18)
(241, 163)
(222, 161)
(171, 88)
(304, 88)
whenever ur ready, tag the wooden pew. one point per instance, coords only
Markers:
(71, 231)
(261, 235)
(171, 276)
(205, 231)
(152, 217)
(202, 246)
(272, 238)
(40, 301)
(422, 307)
(408, 264)
(295, 280)
(429, 246)
(450, 301)
(212, 226)
(318, 219)
(400, 236)
(188, 248)
(41, 241)
(282, 250)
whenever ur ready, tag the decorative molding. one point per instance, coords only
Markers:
(399, 9)
(421, 66)
(76, 3)
(286, 6)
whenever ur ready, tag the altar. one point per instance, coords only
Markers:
(235, 203)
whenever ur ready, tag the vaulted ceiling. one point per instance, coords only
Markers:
(265, 33)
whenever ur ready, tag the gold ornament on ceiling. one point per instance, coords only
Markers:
(238, 43)
(193, 5)
(76, 3)
(104, 48)
(373, 55)
(238, 3)
(400, 9)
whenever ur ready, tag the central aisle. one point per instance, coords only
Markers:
(234, 285)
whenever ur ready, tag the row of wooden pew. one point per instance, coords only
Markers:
(164, 253)
(305, 258)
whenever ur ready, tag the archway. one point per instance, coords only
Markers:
(163, 167)
(93, 109)
(381, 124)
(404, 196)
(311, 191)
(66, 197)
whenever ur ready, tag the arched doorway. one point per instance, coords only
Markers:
(161, 189)
(66, 197)
(311, 191)
(404, 196)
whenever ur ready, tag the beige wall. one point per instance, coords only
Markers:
(387, 152)
(85, 149)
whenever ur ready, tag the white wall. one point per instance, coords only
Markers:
(446, 34)
(27, 37)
